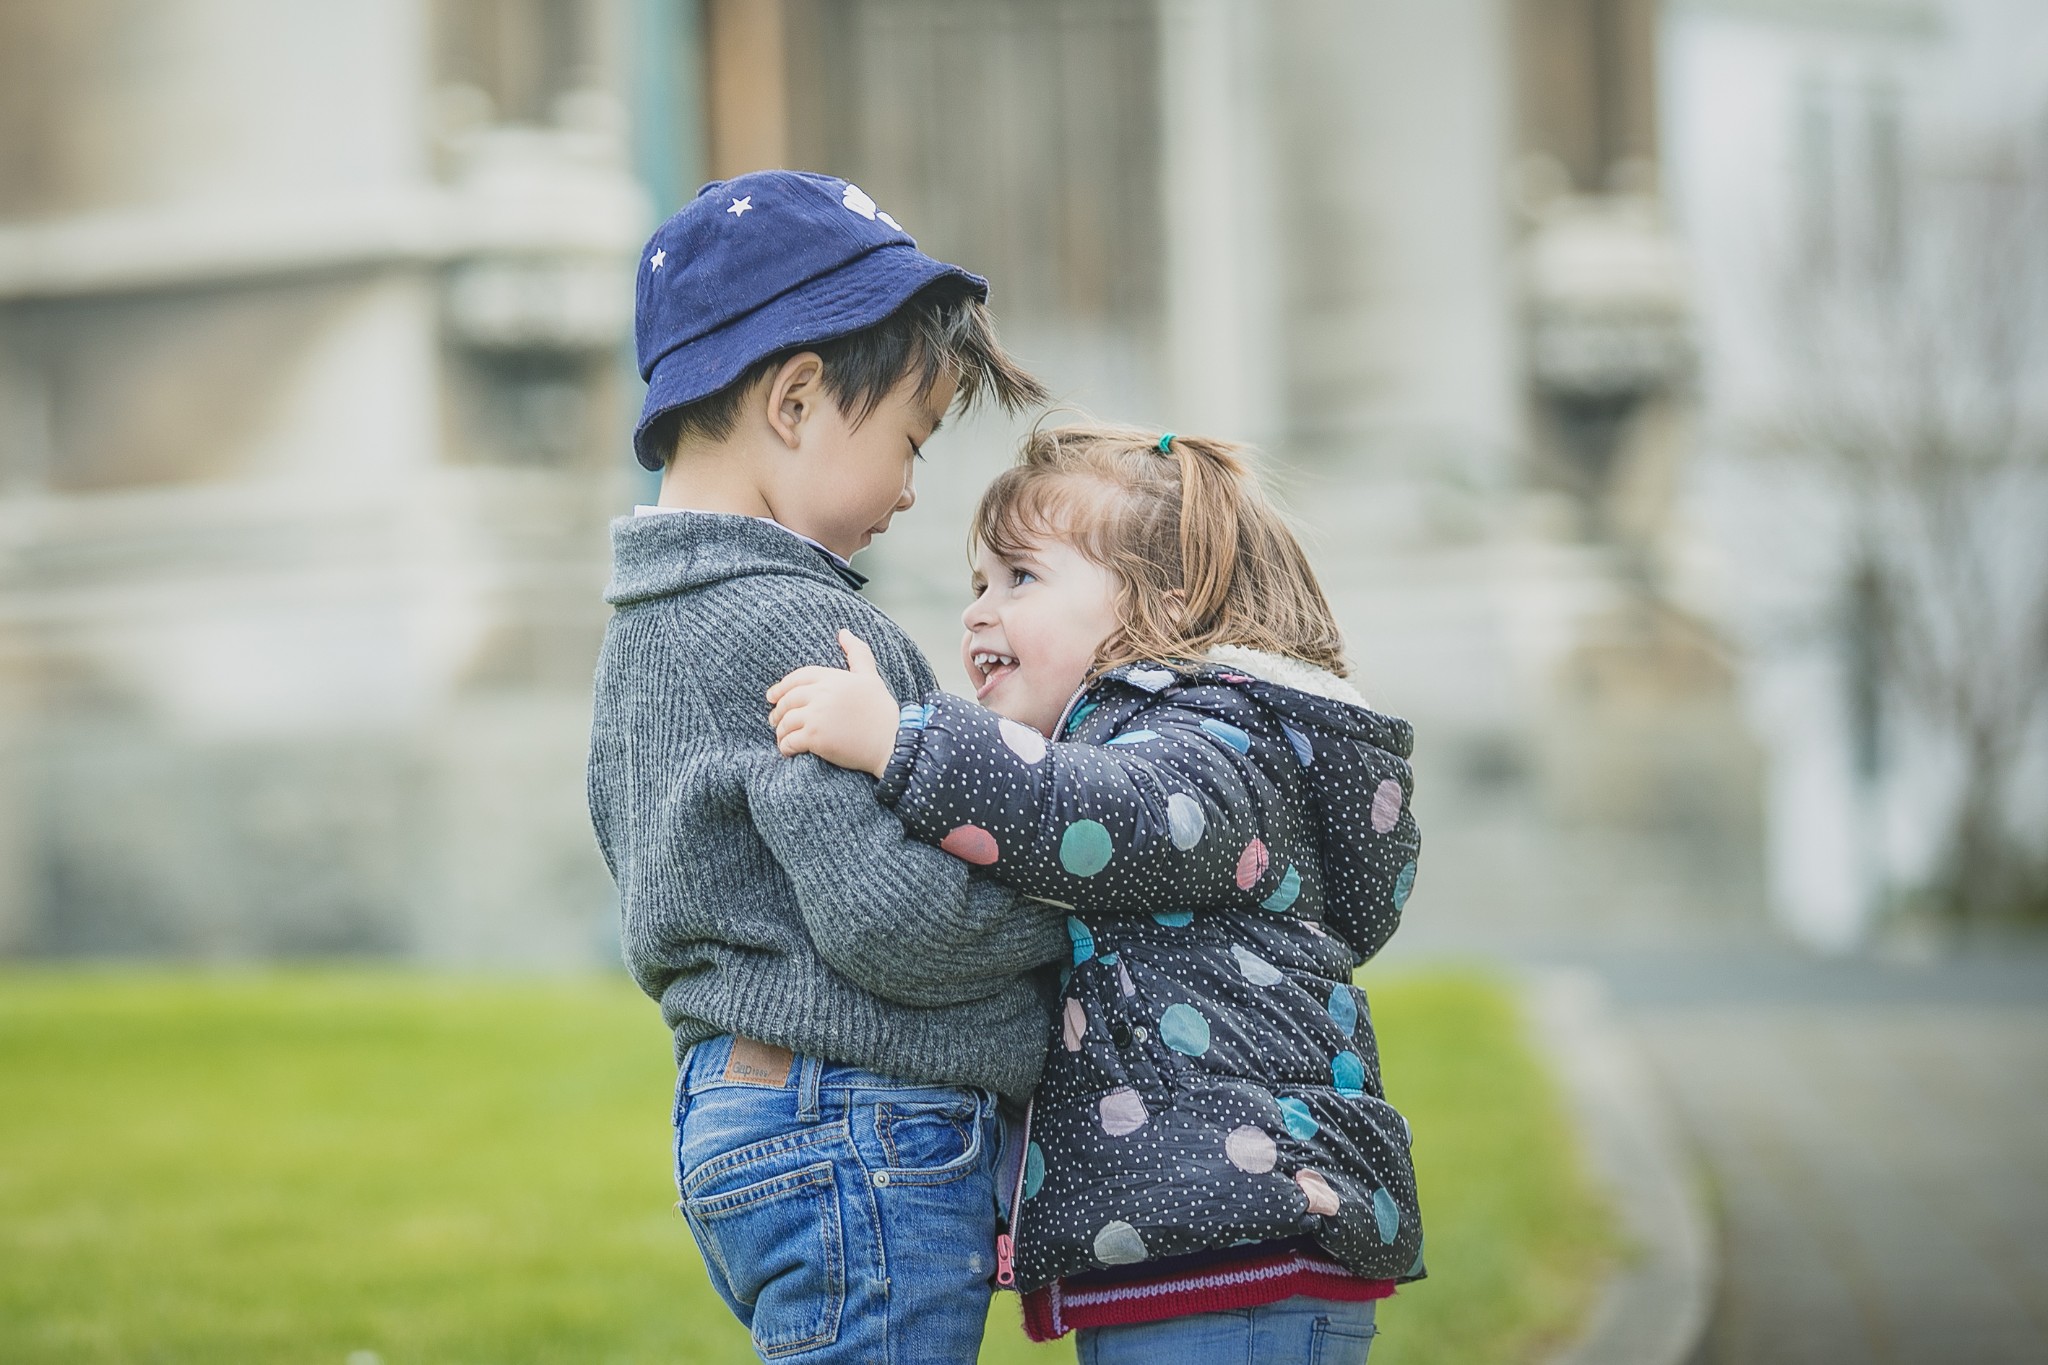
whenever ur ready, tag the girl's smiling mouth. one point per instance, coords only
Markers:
(993, 668)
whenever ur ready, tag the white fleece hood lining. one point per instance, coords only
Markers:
(1288, 672)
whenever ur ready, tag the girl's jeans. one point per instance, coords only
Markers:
(843, 1215)
(1297, 1331)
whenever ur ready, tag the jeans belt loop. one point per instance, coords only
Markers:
(808, 1074)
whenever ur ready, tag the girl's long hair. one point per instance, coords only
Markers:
(1201, 557)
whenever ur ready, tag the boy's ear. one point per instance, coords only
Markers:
(794, 392)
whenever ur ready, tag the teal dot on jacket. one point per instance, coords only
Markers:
(1404, 883)
(1387, 1214)
(1085, 848)
(1347, 1073)
(1344, 1008)
(1183, 1029)
(1084, 942)
(1228, 734)
(1034, 1169)
(1294, 1116)
(1285, 893)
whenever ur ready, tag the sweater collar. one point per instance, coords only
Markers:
(661, 556)
(852, 577)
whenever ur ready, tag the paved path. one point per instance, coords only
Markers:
(1877, 1140)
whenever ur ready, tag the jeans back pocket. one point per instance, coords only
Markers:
(781, 1249)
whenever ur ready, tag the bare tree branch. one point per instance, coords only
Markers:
(1914, 381)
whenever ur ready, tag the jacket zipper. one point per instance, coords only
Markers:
(1060, 728)
(1006, 1241)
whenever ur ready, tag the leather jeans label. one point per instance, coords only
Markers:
(757, 1063)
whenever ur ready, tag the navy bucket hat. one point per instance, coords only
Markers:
(763, 263)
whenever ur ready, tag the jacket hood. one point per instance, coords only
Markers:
(1360, 805)
(1310, 698)
(660, 556)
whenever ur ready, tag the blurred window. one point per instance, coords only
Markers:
(523, 54)
(1020, 137)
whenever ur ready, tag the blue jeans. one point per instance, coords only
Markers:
(843, 1215)
(1293, 1331)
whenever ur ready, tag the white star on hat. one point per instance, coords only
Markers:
(740, 206)
(660, 255)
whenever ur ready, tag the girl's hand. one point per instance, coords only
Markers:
(845, 716)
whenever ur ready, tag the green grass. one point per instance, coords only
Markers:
(1515, 1240)
(296, 1167)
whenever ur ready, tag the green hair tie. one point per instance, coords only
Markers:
(1166, 444)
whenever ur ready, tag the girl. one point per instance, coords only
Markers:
(1209, 1169)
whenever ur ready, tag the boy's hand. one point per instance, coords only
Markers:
(845, 716)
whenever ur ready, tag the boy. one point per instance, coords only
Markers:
(847, 1003)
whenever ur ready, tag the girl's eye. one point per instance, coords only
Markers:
(1019, 577)
(916, 449)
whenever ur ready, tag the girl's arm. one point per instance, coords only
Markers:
(1178, 814)
(1170, 816)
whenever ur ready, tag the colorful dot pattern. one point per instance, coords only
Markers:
(1231, 849)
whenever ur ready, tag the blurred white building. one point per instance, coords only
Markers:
(312, 376)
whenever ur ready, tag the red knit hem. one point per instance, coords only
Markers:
(1058, 1308)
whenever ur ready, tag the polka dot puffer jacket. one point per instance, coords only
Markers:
(1231, 838)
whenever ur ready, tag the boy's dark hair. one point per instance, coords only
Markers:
(944, 328)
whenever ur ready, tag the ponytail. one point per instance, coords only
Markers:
(1209, 478)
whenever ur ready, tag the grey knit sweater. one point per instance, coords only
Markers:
(771, 896)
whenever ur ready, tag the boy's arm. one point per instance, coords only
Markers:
(1175, 815)
(900, 919)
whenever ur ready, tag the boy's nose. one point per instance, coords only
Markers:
(906, 499)
(977, 613)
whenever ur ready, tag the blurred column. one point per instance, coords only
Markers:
(1644, 750)
(1220, 205)
(1605, 283)
(1400, 349)
(666, 42)
(746, 43)
(316, 309)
